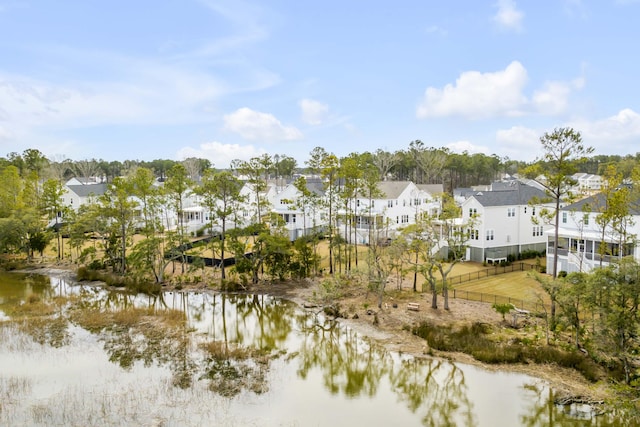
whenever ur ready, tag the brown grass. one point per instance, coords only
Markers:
(518, 285)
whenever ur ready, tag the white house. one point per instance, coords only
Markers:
(584, 243)
(398, 205)
(504, 222)
(300, 215)
(76, 195)
(587, 183)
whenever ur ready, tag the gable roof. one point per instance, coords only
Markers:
(392, 189)
(519, 194)
(597, 203)
(87, 190)
(431, 188)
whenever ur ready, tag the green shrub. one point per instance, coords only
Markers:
(473, 340)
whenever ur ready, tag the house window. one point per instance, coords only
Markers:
(405, 219)
(537, 230)
(416, 202)
(476, 235)
(489, 234)
(373, 203)
(533, 210)
(525, 209)
(472, 212)
(564, 217)
(511, 212)
(358, 203)
(397, 220)
(389, 203)
(585, 219)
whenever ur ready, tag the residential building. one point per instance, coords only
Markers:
(504, 222)
(586, 243)
(76, 195)
(301, 215)
(397, 205)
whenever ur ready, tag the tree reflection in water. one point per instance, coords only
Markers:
(229, 343)
(349, 364)
(435, 388)
(355, 367)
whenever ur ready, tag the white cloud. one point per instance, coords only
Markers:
(313, 112)
(466, 146)
(149, 94)
(617, 134)
(519, 143)
(478, 95)
(220, 154)
(553, 98)
(620, 129)
(508, 17)
(254, 125)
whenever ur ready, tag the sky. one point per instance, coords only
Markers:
(233, 79)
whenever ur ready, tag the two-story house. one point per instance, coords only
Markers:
(396, 205)
(586, 240)
(76, 195)
(504, 222)
(301, 215)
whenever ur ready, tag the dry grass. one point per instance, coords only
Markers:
(518, 285)
(95, 320)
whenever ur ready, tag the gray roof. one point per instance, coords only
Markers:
(597, 203)
(392, 189)
(518, 194)
(431, 188)
(87, 190)
(316, 186)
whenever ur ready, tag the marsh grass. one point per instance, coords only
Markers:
(221, 350)
(132, 284)
(97, 320)
(475, 341)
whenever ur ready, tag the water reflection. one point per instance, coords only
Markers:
(230, 353)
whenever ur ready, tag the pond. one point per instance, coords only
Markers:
(77, 355)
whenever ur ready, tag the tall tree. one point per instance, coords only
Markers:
(384, 161)
(119, 209)
(256, 171)
(87, 168)
(221, 196)
(563, 150)
(176, 187)
(53, 206)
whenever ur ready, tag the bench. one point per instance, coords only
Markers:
(518, 312)
(413, 306)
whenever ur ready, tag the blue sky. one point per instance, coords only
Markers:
(233, 79)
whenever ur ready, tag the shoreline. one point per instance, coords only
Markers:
(390, 330)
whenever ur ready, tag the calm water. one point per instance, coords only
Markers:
(272, 364)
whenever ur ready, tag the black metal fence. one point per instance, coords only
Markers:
(522, 304)
(488, 272)
(533, 306)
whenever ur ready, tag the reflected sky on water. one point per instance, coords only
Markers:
(229, 360)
